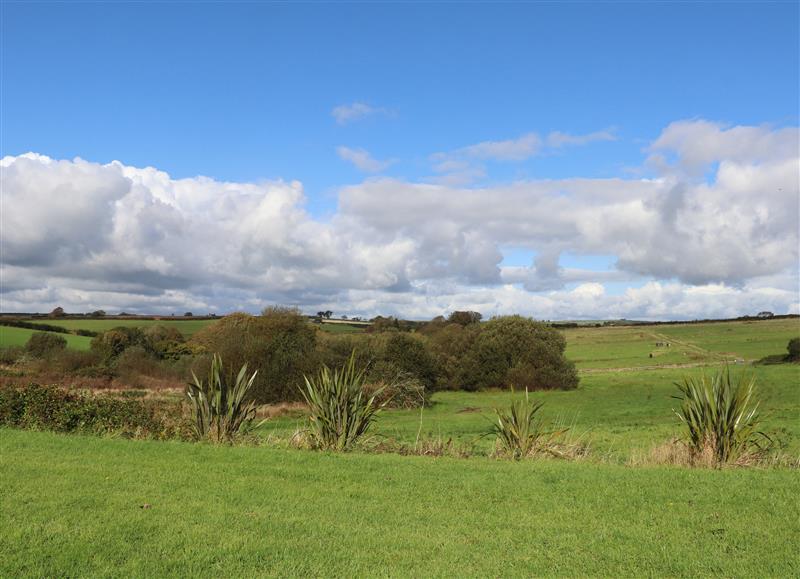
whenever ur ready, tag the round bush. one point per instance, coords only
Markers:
(42, 344)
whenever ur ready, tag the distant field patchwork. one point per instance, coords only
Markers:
(19, 336)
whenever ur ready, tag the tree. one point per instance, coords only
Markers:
(188, 315)
(279, 344)
(520, 352)
(464, 318)
(57, 313)
(98, 314)
(328, 314)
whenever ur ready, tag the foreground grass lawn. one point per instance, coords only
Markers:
(71, 506)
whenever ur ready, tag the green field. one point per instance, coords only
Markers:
(72, 505)
(186, 327)
(10, 336)
(691, 344)
(616, 414)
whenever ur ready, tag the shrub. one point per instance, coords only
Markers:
(10, 354)
(41, 344)
(464, 318)
(535, 352)
(793, 347)
(407, 355)
(519, 431)
(113, 342)
(340, 410)
(721, 418)
(134, 362)
(402, 391)
(279, 344)
(52, 408)
(73, 361)
(221, 409)
(448, 344)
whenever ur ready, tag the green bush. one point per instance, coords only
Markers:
(517, 351)
(222, 409)
(448, 344)
(52, 408)
(111, 343)
(279, 344)
(340, 410)
(721, 418)
(793, 347)
(407, 355)
(42, 344)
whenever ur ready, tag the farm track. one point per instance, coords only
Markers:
(660, 367)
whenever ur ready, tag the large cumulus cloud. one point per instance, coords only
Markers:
(709, 228)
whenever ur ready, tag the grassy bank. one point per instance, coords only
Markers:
(255, 511)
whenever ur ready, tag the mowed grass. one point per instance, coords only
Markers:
(10, 336)
(72, 506)
(186, 327)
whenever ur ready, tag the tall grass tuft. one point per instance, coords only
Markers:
(721, 416)
(340, 410)
(520, 432)
(221, 408)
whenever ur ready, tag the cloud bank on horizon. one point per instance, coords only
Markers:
(708, 227)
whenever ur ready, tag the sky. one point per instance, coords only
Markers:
(558, 160)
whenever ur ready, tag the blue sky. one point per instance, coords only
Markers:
(245, 92)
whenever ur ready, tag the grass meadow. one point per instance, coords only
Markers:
(10, 336)
(85, 506)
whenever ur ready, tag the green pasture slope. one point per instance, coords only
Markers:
(72, 506)
(10, 336)
(186, 327)
(690, 344)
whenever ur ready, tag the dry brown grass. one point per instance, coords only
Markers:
(676, 452)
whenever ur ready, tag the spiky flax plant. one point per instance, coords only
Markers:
(721, 417)
(221, 408)
(340, 411)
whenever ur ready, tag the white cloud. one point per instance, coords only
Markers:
(345, 114)
(557, 139)
(363, 160)
(713, 233)
(466, 165)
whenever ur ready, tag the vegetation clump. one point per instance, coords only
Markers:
(793, 348)
(340, 410)
(520, 432)
(222, 408)
(42, 344)
(42, 407)
(721, 418)
(279, 344)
